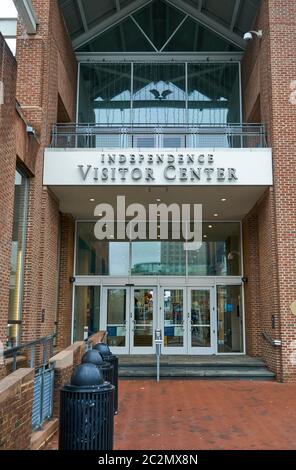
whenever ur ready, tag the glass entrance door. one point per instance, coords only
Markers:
(116, 308)
(130, 314)
(173, 314)
(201, 321)
(143, 315)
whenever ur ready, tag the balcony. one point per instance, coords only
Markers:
(203, 136)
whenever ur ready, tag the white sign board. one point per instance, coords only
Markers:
(204, 167)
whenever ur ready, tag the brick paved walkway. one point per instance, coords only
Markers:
(189, 415)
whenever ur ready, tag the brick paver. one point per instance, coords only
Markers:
(176, 414)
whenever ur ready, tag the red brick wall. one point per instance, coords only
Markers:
(251, 287)
(16, 397)
(7, 176)
(46, 70)
(275, 57)
(64, 326)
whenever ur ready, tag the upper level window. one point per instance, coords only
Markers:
(159, 94)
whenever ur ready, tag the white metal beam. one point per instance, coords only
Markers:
(27, 14)
(8, 27)
(82, 14)
(235, 13)
(108, 22)
(208, 22)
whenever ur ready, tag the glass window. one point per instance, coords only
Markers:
(159, 20)
(96, 257)
(143, 317)
(124, 37)
(219, 254)
(173, 317)
(230, 319)
(194, 37)
(158, 258)
(105, 96)
(116, 317)
(166, 27)
(17, 257)
(213, 97)
(87, 311)
(159, 94)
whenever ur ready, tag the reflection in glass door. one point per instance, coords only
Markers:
(201, 321)
(143, 304)
(116, 310)
(173, 328)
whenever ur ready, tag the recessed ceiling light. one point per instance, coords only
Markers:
(205, 236)
(210, 226)
(158, 200)
(216, 215)
(92, 200)
(223, 199)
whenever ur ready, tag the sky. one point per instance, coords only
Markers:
(7, 9)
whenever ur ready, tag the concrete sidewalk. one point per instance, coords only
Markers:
(176, 414)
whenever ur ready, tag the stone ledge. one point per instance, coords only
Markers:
(97, 338)
(62, 360)
(75, 346)
(11, 384)
(41, 437)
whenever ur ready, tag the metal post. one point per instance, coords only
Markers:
(32, 358)
(14, 362)
(158, 343)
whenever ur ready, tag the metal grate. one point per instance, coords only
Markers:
(43, 396)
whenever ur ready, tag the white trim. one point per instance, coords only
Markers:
(96, 57)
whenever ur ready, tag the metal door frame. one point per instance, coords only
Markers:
(117, 349)
(167, 350)
(137, 349)
(207, 351)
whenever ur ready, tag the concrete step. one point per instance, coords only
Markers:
(259, 373)
(198, 367)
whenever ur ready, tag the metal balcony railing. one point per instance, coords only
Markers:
(211, 136)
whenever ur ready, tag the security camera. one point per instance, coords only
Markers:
(30, 130)
(249, 35)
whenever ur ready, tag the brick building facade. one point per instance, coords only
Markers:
(43, 80)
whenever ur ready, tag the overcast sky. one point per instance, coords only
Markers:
(7, 9)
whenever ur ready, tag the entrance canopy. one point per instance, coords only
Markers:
(158, 23)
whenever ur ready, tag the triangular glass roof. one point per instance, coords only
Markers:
(159, 27)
